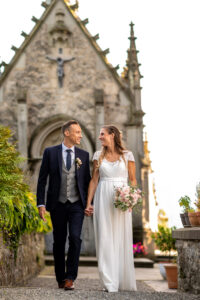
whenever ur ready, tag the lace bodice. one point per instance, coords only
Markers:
(114, 169)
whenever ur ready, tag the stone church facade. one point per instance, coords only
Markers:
(60, 73)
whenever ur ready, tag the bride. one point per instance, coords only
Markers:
(113, 166)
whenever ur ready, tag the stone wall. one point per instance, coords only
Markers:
(188, 247)
(30, 260)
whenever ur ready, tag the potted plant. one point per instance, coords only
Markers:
(185, 203)
(166, 243)
(193, 217)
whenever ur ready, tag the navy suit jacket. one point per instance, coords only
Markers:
(52, 167)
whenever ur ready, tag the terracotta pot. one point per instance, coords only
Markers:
(193, 219)
(198, 217)
(162, 268)
(172, 276)
(187, 219)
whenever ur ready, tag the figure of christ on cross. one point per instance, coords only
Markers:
(60, 67)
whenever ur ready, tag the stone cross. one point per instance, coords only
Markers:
(60, 67)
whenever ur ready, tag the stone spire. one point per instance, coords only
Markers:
(146, 159)
(131, 76)
(131, 72)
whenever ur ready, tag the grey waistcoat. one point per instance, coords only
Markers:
(68, 189)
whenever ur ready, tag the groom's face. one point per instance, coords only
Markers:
(74, 134)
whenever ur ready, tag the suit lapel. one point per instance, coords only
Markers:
(60, 159)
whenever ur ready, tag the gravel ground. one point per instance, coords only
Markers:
(43, 288)
(88, 287)
(57, 294)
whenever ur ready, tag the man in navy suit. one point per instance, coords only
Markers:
(67, 168)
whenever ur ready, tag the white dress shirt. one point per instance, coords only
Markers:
(64, 156)
(64, 153)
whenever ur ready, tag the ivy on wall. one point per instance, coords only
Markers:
(18, 211)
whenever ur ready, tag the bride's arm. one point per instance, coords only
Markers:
(92, 188)
(131, 173)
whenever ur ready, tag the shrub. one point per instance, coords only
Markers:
(18, 211)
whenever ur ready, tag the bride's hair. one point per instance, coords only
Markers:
(119, 147)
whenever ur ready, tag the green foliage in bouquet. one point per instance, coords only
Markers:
(163, 239)
(18, 211)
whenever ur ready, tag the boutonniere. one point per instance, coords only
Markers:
(78, 162)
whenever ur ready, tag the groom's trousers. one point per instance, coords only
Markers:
(67, 218)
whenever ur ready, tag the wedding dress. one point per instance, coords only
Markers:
(113, 227)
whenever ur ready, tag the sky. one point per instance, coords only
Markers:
(168, 41)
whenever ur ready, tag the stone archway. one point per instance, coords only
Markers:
(49, 134)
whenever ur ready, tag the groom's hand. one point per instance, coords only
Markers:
(89, 210)
(42, 212)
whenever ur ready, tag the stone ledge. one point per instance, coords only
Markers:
(192, 233)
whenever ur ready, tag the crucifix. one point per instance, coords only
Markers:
(60, 67)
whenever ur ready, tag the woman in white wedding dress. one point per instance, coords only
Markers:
(113, 166)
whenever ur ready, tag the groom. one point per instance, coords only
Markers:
(67, 168)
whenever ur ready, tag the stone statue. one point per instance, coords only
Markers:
(60, 67)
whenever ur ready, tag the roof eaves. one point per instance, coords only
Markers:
(26, 42)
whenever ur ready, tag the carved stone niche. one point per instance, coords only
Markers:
(60, 35)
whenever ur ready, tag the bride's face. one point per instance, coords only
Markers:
(106, 138)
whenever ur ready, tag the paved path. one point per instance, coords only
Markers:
(44, 287)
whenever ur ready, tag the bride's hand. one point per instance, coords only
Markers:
(89, 210)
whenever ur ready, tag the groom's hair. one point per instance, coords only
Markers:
(66, 126)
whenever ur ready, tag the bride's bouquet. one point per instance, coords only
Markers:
(126, 197)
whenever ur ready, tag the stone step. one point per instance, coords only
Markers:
(143, 262)
(92, 261)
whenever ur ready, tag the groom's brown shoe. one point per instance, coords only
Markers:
(69, 284)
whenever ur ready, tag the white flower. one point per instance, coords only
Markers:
(78, 162)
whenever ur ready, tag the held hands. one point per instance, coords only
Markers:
(89, 210)
(42, 212)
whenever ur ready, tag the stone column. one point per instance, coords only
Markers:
(188, 247)
(88, 244)
(133, 144)
(22, 127)
(99, 101)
